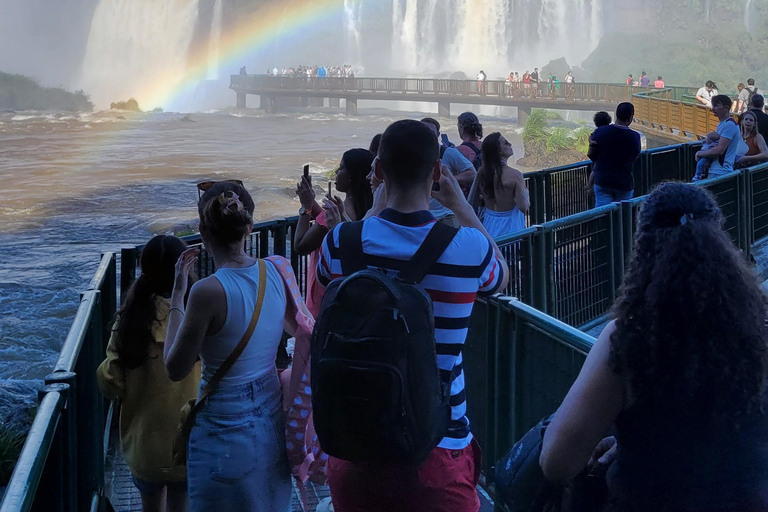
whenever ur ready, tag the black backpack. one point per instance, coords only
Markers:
(478, 160)
(377, 393)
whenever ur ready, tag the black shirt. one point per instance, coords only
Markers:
(762, 122)
(534, 77)
(615, 151)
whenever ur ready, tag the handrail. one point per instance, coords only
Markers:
(23, 485)
(77, 333)
(577, 339)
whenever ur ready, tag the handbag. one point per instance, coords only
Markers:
(193, 406)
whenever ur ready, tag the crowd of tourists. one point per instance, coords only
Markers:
(644, 81)
(670, 402)
(344, 71)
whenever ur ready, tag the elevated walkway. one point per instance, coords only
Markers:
(523, 351)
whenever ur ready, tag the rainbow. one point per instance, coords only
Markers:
(282, 18)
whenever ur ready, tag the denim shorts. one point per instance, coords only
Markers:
(236, 458)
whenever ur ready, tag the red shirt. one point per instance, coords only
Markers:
(526, 78)
(659, 84)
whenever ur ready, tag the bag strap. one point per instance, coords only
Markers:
(434, 245)
(472, 146)
(351, 245)
(227, 365)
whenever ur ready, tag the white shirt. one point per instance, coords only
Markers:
(707, 95)
(481, 76)
(569, 79)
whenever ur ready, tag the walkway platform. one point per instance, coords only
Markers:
(126, 498)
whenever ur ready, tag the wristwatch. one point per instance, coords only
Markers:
(303, 211)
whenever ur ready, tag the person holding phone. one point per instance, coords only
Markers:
(351, 179)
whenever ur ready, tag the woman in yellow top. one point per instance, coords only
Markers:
(134, 372)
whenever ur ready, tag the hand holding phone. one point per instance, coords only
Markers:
(306, 174)
(330, 190)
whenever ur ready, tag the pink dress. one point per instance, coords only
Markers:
(314, 290)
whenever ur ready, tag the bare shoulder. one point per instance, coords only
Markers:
(512, 176)
(207, 291)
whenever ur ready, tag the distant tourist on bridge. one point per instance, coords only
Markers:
(614, 149)
(502, 188)
(461, 168)
(645, 80)
(526, 83)
(236, 455)
(569, 81)
(736, 102)
(727, 147)
(706, 93)
(535, 83)
(758, 107)
(631, 81)
(481, 82)
(134, 373)
(659, 83)
(745, 96)
(679, 374)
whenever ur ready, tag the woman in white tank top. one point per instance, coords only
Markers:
(236, 458)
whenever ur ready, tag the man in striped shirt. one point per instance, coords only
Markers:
(409, 165)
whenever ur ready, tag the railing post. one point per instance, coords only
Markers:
(280, 237)
(627, 231)
(541, 264)
(128, 257)
(69, 439)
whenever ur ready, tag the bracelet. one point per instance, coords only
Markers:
(177, 309)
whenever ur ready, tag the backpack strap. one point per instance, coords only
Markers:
(437, 241)
(351, 248)
(470, 145)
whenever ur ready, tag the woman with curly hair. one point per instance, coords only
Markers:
(680, 372)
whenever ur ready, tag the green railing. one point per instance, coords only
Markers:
(64, 454)
(519, 364)
(519, 361)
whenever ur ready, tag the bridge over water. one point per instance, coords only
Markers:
(669, 114)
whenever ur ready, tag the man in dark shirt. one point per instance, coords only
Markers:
(535, 82)
(614, 149)
(758, 106)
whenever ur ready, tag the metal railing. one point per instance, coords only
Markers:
(586, 91)
(519, 364)
(64, 453)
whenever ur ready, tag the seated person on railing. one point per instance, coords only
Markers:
(727, 147)
(757, 148)
(409, 165)
(134, 372)
(680, 372)
(236, 455)
(351, 180)
(502, 188)
(614, 149)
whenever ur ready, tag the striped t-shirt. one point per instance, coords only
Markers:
(467, 266)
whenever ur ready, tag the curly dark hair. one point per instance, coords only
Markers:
(691, 319)
(137, 316)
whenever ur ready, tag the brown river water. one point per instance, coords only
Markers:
(74, 186)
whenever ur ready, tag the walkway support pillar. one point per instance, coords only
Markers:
(241, 100)
(268, 104)
(443, 109)
(305, 101)
(523, 113)
(351, 107)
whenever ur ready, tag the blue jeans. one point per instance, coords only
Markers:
(605, 195)
(236, 458)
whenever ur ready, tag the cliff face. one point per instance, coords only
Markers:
(685, 41)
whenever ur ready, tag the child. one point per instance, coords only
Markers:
(602, 119)
(134, 372)
(702, 166)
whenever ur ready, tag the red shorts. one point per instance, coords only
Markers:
(445, 482)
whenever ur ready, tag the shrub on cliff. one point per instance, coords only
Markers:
(18, 92)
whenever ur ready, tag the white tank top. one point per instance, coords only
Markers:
(241, 286)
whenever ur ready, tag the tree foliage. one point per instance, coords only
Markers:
(18, 92)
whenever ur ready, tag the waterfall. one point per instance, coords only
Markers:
(352, 21)
(494, 35)
(746, 15)
(214, 41)
(136, 46)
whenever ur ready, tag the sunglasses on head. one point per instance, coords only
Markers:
(204, 186)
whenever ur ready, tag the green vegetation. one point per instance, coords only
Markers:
(131, 105)
(18, 92)
(552, 147)
(12, 436)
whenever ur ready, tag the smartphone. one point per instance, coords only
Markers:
(330, 190)
(306, 174)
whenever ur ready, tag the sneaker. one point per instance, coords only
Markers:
(325, 505)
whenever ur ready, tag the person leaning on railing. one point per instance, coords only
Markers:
(680, 372)
(134, 372)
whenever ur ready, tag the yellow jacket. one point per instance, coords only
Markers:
(151, 406)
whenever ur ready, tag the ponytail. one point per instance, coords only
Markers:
(134, 321)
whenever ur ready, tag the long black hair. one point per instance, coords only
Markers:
(138, 314)
(358, 164)
(490, 173)
(691, 319)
